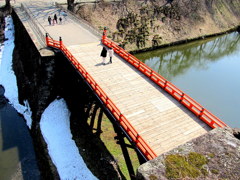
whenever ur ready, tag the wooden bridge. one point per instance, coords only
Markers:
(155, 115)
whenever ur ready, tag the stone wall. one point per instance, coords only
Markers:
(35, 76)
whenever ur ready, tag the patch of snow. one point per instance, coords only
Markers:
(27, 114)
(55, 128)
(55, 125)
(7, 76)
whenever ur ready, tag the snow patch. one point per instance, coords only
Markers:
(7, 76)
(55, 128)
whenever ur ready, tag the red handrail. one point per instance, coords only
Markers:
(125, 124)
(179, 95)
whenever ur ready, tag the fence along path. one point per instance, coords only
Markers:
(155, 114)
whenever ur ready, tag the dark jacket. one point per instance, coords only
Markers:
(104, 52)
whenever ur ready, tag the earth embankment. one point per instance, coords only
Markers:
(141, 25)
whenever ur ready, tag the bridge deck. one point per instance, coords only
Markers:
(161, 121)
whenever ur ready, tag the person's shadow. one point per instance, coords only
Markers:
(17, 147)
(99, 64)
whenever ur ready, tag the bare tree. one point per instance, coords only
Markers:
(70, 4)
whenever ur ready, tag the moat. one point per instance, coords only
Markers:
(207, 70)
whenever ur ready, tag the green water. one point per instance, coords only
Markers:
(207, 70)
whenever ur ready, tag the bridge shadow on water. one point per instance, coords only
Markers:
(17, 156)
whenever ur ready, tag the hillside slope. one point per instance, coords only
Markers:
(139, 25)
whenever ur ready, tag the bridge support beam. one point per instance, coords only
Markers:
(140, 158)
(93, 116)
(87, 112)
(120, 137)
(99, 123)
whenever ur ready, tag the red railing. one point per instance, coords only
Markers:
(183, 98)
(125, 124)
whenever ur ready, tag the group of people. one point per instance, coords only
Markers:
(54, 20)
(104, 54)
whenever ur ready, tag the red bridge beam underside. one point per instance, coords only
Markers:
(125, 124)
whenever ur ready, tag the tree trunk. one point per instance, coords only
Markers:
(70, 5)
(7, 3)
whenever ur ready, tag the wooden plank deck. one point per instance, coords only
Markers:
(162, 121)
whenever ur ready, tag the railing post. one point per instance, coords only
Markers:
(104, 34)
(201, 112)
(165, 84)
(95, 86)
(182, 96)
(60, 41)
(47, 39)
(151, 73)
(106, 99)
(120, 117)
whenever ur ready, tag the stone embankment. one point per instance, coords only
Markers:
(215, 155)
(1, 28)
(143, 25)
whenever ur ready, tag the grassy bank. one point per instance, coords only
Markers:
(108, 137)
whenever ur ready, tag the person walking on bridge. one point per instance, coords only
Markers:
(110, 52)
(49, 20)
(55, 18)
(60, 20)
(104, 55)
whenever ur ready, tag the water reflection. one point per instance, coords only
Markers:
(174, 61)
(207, 70)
